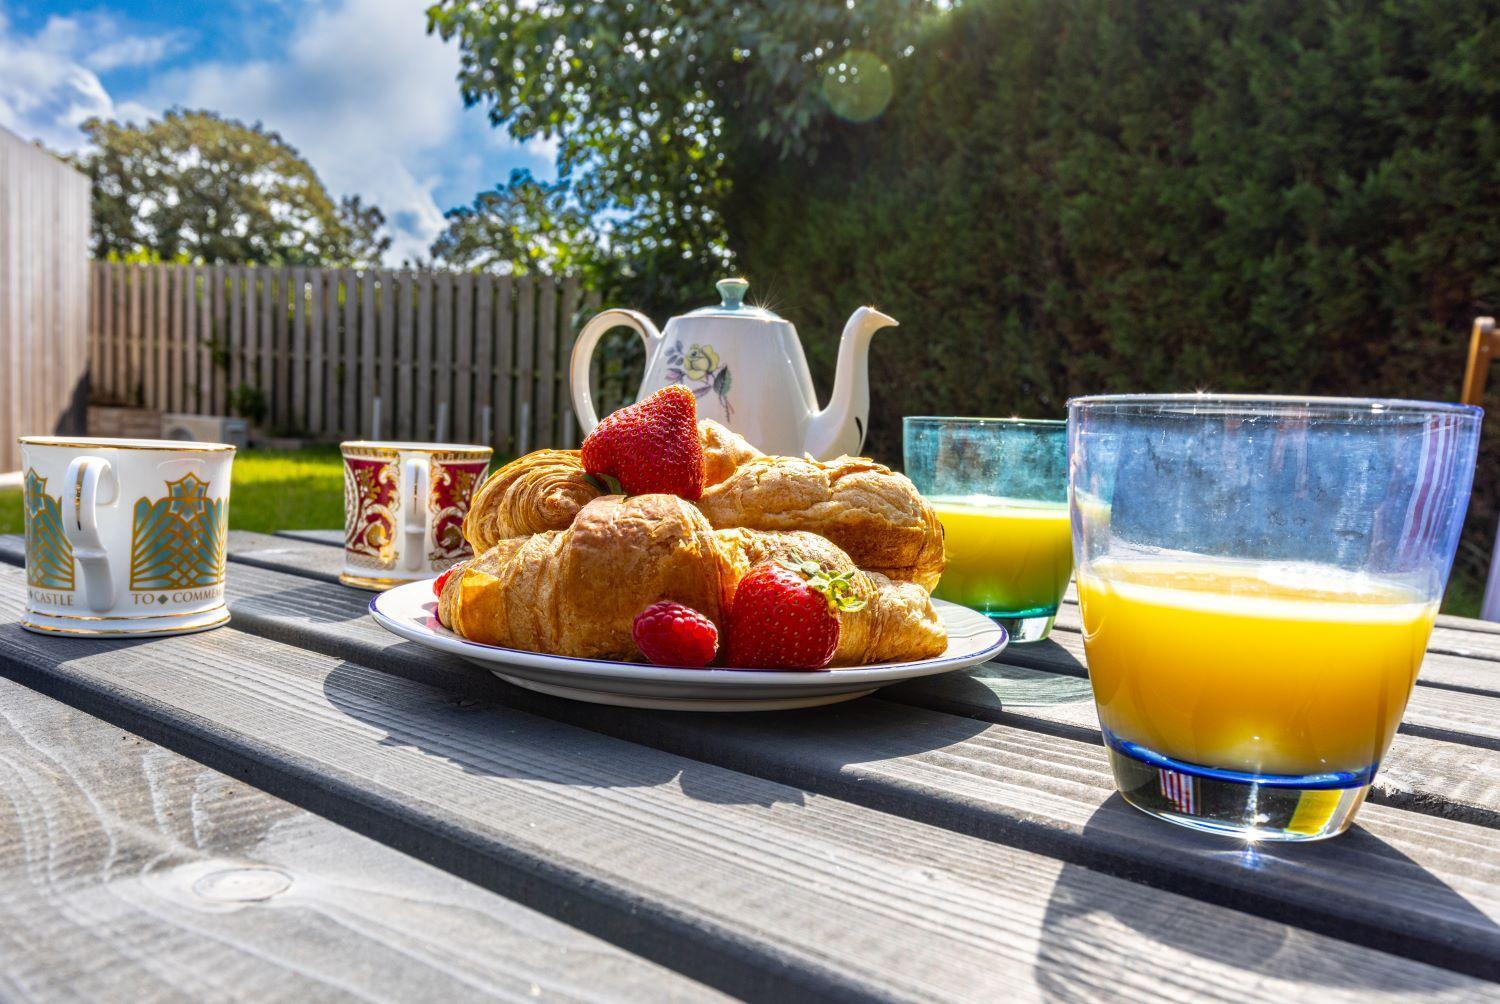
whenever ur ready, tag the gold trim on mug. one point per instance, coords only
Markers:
(108, 444)
(92, 632)
(369, 450)
(124, 617)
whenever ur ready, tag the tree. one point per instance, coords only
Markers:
(194, 185)
(647, 100)
(524, 225)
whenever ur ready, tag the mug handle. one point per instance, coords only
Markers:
(415, 475)
(80, 519)
(583, 355)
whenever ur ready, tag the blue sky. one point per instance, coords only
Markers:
(356, 85)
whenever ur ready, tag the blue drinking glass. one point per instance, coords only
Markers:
(1000, 488)
(1258, 579)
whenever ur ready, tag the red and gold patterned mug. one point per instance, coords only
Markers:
(404, 508)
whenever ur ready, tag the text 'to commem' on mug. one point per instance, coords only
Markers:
(124, 537)
(404, 509)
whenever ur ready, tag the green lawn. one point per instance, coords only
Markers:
(272, 490)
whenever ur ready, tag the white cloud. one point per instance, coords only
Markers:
(365, 95)
(49, 81)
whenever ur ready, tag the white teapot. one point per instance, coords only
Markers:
(747, 368)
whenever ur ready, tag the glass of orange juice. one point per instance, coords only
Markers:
(1258, 578)
(1000, 488)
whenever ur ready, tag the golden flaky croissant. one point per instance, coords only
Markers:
(545, 489)
(541, 491)
(576, 592)
(874, 514)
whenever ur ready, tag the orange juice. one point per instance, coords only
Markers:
(1260, 667)
(1007, 557)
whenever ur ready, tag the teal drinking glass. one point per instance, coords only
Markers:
(1258, 579)
(1000, 488)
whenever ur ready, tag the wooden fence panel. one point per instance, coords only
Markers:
(474, 357)
(460, 418)
(45, 299)
(505, 367)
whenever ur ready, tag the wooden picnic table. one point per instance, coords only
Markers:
(303, 806)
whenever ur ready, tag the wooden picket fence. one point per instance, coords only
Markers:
(340, 353)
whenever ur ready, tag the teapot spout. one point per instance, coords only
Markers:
(839, 429)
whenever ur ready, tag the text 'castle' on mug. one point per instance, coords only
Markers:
(124, 537)
(404, 509)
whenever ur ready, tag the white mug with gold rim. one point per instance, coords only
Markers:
(124, 537)
(404, 508)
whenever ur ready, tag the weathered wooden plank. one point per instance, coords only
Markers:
(282, 399)
(403, 409)
(421, 424)
(250, 328)
(317, 375)
(267, 338)
(163, 334)
(525, 364)
(299, 352)
(546, 375)
(503, 437)
(132, 873)
(135, 378)
(484, 360)
(221, 339)
(461, 416)
(332, 427)
(351, 381)
(234, 341)
(329, 538)
(442, 345)
(176, 399)
(748, 884)
(388, 351)
(105, 387)
(367, 306)
(192, 394)
(44, 294)
(566, 432)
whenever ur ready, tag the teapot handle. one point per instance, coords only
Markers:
(583, 354)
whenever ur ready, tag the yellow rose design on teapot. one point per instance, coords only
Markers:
(699, 368)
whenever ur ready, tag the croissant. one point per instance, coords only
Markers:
(576, 592)
(541, 491)
(545, 489)
(874, 514)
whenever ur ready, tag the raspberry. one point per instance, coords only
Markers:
(441, 581)
(670, 634)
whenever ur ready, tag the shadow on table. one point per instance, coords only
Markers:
(492, 738)
(1082, 920)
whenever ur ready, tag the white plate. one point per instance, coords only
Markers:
(411, 612)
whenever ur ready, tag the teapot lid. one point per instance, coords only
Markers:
(732, 295)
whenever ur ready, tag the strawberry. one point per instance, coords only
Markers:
(651, 447)
(670, 634)
(441, 581)
(786, 616)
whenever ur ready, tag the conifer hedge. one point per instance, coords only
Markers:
(1079, 196)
